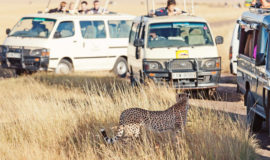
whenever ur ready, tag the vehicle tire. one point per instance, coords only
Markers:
(231, 68)
(254, 121)
(19, 72)
(237, 88)
(121, 67)
(64, 67)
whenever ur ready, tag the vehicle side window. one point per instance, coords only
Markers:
(119, 28)
(263, 43)
(64, 30)
(268, 56)
(142, 34)
(133, 32)
(249, 43)
(93, 29)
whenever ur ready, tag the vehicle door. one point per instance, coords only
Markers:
(262, 53)
(119, 33)
(64, 42)
(246, 62)
(95, 54)
(135, 53)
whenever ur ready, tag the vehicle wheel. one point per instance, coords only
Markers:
(120, 67)
(237, 88)
(254, 121)
(231, 68)
(64, 67)
(19, 72)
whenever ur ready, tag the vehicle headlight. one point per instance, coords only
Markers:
(40, 52)
(211, 64)
(153, 66)
(36, 52)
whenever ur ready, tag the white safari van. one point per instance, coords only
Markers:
(64, 43)
(177, 50)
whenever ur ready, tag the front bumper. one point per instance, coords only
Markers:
(201, 79)
(25, 62)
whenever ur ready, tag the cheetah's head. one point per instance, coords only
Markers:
(182, 98)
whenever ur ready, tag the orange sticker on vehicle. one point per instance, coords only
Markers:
(182, 54)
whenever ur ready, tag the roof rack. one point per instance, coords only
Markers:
(259, 10)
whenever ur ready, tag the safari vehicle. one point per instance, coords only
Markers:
(253, 67)
(66, 42)
(174, 50)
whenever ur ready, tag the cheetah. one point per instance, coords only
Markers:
(133, 119)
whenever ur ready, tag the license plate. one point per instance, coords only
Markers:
(182, 54)
(187, 75)
(13, 55)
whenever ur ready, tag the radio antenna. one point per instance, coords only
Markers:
(185, 5)
(76, 4)
(153, 5)
(48, 5)
(192, 7)
(147, 6)
(106, 5)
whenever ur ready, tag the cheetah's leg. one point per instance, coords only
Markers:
(120, 133)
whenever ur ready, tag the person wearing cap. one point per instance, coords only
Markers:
(97, 9)
(170, 10)
(261, 3)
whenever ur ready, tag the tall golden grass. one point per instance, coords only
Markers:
(59, 117)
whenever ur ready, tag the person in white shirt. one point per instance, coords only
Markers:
(97, 9)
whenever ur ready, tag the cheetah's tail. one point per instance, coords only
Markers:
(111, 140)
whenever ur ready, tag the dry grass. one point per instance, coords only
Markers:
(59, 117)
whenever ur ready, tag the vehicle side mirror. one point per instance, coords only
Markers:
(57, 35)
(8, 31)
(138, 43)
(219, 40)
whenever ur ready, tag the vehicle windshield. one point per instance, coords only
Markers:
(33, 27)
(179, 34)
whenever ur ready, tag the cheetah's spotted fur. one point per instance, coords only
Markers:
(131, 120)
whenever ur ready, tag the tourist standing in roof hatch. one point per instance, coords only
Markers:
(170, 10)
(62, 8)
(84, 9)
(97, 9)
(261, 3)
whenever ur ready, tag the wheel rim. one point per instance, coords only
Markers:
(63, 68)
(121, 68)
